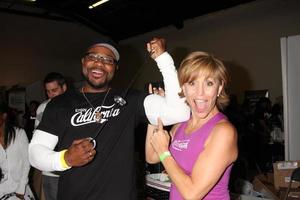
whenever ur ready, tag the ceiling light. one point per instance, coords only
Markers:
(97, 4)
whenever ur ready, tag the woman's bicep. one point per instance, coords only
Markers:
(219, 152)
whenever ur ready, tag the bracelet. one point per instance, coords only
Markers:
(164, 155)
(62, 159)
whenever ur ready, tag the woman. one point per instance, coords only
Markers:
(14, 161)
(203, 149)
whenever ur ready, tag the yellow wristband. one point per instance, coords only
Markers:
(164, 155)
(62, 159)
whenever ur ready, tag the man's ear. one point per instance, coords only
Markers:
(64, 87)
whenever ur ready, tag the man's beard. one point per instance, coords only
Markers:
(97, 86)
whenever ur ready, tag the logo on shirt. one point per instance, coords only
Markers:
(85, 116)
(180, 145)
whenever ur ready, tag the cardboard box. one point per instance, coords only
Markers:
(264, 184)
(282, 173)
(246, 197)
(292, 195)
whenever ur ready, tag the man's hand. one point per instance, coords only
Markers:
(20, 196)
(156, 47)
(80, 152)
(154, 90)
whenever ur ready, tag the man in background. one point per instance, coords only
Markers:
(54, 84)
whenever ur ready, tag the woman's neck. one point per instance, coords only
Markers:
(197, 122)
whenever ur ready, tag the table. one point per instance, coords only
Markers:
(158, 186)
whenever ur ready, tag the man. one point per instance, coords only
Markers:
(104, 168)
(54, 84)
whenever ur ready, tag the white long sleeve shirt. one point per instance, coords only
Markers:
(39, 112)
(15, 165)
(39, 115)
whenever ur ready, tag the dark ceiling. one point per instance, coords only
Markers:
(119, 19)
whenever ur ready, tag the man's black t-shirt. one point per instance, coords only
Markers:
(111, 175)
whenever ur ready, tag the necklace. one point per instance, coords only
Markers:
(98, 115)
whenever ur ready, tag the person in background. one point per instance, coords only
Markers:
(14, 161)
(54, 84)
(262, 131)
(29, 118)
(93, 133)
(203, 148)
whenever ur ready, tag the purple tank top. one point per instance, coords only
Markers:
(185, 149)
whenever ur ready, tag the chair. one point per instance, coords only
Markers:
(294, 177)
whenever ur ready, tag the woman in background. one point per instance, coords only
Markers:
(14, 161)
(203, 149)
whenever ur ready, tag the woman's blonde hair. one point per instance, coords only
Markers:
(206, 63)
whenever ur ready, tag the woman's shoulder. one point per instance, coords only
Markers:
(20, 132)
(224, 128)
(224, 137)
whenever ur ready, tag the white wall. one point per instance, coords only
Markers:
(31, 47)
(290, 49)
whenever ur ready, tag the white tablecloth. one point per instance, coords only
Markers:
(159, 181)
